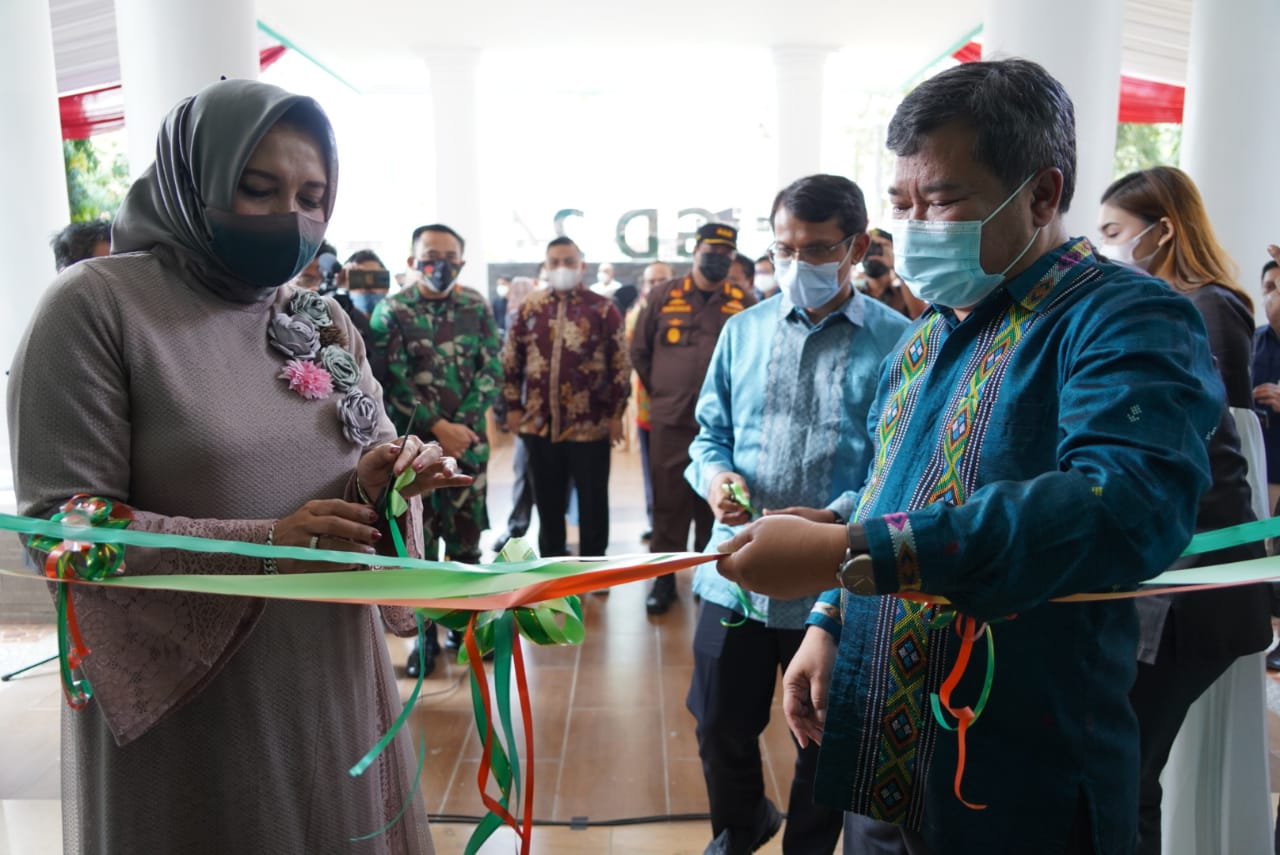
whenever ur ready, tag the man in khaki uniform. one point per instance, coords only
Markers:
(675, 334)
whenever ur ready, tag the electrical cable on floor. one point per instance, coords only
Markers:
(581, 823)
(447, 690)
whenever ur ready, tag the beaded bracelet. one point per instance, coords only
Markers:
(269, 564)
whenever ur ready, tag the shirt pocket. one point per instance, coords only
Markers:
(674, 332)
(1019, 442)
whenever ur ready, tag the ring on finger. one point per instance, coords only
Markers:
(315, 540)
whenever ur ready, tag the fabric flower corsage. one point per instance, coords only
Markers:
(313, 306)
(341, 367)
(294, 335)
(359, 416)
(307, 379)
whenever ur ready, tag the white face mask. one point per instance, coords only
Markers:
(1123, 252)
(765, 283)
(563, 278)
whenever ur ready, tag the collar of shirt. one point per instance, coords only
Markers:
(1034, 288)
(852, 309)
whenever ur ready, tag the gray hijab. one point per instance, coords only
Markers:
(201, 150)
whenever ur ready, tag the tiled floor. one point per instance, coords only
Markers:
(613, 739)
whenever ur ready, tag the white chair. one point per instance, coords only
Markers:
(1217, 788)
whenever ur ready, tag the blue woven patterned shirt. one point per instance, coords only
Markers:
(1051, 443)
(783, 405)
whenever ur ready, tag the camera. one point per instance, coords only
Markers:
(368, 280)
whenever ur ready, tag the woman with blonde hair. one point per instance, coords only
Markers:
(1156, 220)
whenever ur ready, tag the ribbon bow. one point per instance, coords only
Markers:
(76, 559)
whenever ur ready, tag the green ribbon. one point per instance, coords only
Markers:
(981, 705)
(555, 622)
(1236, 535)
(739, 496)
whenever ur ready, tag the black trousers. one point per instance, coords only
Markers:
(554, 465)
(734, 673)
(675, 505)
(1161, 696)
(642, 439)
(521, 491)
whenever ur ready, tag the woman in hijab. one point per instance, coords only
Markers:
(180, 377)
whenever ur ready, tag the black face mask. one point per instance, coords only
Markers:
(714, 266)
(439, 275)
(874, 268)
(264, 250)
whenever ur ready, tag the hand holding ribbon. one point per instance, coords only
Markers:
(432, 470)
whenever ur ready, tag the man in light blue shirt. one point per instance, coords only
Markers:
(782, 417)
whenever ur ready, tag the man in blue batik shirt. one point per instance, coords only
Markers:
(788, 380)
(1040, 432)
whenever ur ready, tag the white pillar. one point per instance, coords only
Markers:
(800, 71)
(32, 173)
(1089, 69)
(1231, 125)
(455, 95)
(170, 49)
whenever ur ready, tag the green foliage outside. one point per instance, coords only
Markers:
(97, 178)
(1144, 146)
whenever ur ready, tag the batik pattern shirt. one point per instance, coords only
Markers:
(442, 361)
(1052, 443)
(566, 366)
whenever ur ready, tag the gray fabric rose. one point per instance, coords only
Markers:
(295, 336)
(359, 416)
(312, 305)
(341, 367)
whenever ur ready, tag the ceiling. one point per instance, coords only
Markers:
(381, 48)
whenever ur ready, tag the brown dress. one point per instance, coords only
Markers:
(218, 724)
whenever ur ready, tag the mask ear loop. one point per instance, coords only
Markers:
(1011, 197)
(1034, 234)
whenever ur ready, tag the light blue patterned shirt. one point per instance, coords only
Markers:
(784, 404)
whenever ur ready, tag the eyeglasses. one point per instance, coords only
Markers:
(811, 254)
(434, 257)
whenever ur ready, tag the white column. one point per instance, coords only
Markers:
(455, 95)
(170, 49)
(800, 71)
(32, 173)
(1089, 69)
(1231, 126)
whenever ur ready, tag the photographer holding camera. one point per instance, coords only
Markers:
(879, 280)
(366, 279)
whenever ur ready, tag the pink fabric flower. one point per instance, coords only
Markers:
(307, 379)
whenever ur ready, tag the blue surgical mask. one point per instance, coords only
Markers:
(809, 286)
(940, 260)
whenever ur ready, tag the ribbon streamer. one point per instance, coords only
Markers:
(84, 543)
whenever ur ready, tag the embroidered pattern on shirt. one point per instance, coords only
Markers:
(904, 377)
(906, 561)
(896, 742)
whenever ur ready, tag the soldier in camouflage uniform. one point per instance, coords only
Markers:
(441, 346)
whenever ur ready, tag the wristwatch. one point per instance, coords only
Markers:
(856, 573)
